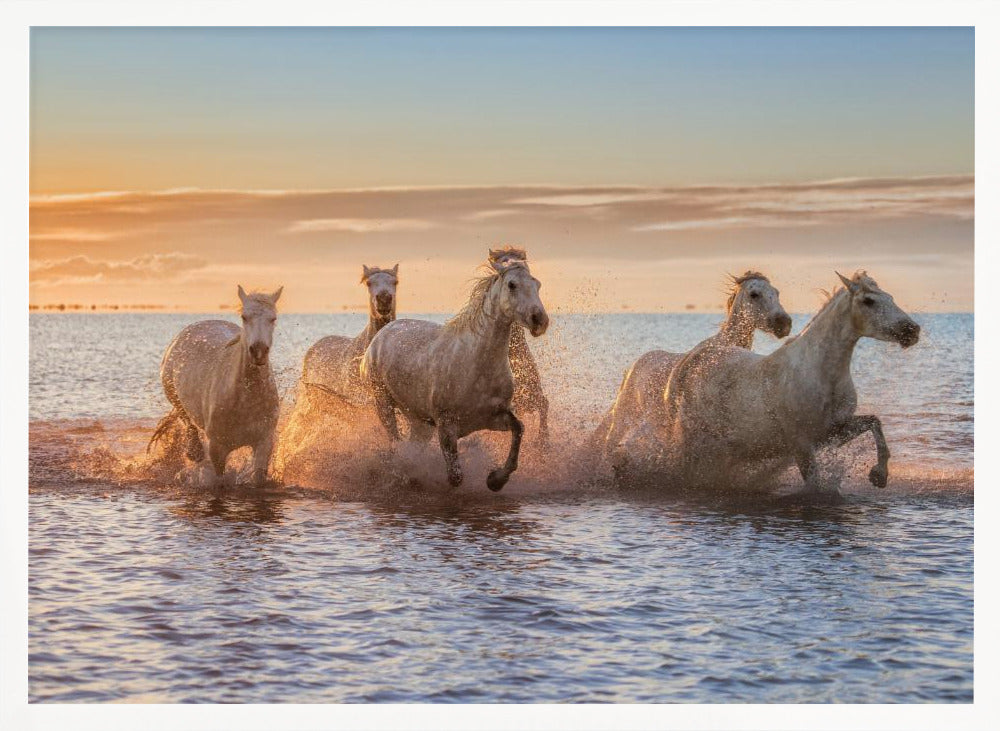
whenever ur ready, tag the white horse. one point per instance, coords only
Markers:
(727, 408)
(457, 376)
(528, 394)
(218, 378)
(753, 304)
(332, 364)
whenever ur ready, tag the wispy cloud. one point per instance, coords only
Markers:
(142, 268)
(631, 237)
(360, 225)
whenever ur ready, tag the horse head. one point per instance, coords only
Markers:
(755, 301)
(518, 294)
(874, 314)
(259, 313)
(381, 285)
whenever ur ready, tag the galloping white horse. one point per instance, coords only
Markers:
(726, 407)
(753, 304)
(332, 364)
(457, 376)
(528, 394)
(218, 378)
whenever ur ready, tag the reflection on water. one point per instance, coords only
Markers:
(228, 597)
(381, 583)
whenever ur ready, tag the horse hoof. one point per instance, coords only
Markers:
(454, 479)
(497, 479)
(878, 477)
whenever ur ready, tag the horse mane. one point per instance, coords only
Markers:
(375, 270)
(861, 277)
(509, 252)
(472, 314)
(261, 298)
(736, 282)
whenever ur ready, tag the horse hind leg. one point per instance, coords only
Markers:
(193, 448)
(499, 477)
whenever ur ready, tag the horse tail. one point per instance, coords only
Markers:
(165, 425)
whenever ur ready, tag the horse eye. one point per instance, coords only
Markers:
(868, 301)
(511, 285)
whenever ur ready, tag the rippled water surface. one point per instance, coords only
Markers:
(373, 581)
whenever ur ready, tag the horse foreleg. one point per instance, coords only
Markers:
(386, 410)
(806, 460)
(855, 427)
(261, 459)
(448, 438)
(217, 454)
(498, 477)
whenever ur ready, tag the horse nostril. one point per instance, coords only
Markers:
(539, 321)
(909, 334)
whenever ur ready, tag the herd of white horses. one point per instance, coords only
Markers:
(693, 419)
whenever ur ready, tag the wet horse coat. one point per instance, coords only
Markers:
(753, 304)
(727, 408)
(457, 377)
(218, 379)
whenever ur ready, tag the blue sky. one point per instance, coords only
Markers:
(305, 108)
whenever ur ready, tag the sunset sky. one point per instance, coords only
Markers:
(637, 166)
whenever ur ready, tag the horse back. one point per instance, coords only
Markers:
(328, 362)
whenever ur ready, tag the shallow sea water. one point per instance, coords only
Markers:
(374, 581)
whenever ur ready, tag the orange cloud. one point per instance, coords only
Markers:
(83, 269)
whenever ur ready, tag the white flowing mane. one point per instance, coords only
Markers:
(473, 314)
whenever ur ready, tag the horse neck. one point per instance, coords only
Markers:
(737, 330)
(375, 323)
(827, 342)
(494, 331)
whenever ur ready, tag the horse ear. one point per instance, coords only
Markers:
(276, 295)
(365, 272)
(241, 293)
(395, 269)
(494, 253)
(852, 287)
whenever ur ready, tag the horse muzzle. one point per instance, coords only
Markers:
(258, 354)
(907, 334)
(383, 306)
(538, 323)
(781, 325)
